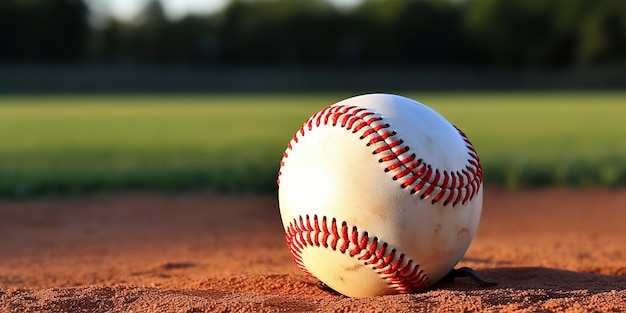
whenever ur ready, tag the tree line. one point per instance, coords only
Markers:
(454, 33)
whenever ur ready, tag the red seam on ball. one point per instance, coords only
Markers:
(460, 187)
(335, 234)
(402, 273)
(368, 254)
(344, 236)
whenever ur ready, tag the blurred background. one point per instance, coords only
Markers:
(171, 95)
(296, 45)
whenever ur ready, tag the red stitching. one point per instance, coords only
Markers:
(413, 174)
(371, 250)
(325, 232)
(344, 236)
(333, 226)
(402, 274)
(317, 231)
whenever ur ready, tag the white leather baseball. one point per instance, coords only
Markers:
(379, 194)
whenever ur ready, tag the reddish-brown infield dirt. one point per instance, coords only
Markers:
(551, 250)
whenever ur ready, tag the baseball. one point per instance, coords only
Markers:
(379, 194)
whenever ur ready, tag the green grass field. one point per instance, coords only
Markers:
(70, 145)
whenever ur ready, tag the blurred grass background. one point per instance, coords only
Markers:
(60, 145)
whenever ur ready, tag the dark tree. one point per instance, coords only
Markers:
(51, 30)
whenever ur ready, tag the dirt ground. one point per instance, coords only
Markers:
(550, 250)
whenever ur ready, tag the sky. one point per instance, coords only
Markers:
(128, 9)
